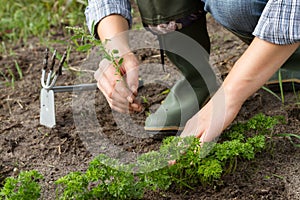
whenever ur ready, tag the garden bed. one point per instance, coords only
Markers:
(26, 145)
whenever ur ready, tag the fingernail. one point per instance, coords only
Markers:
(171, 162)
(129, 98)
(133, 89)
(137, 108)
(97, 75)
(134, 105)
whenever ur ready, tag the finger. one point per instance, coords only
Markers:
(115, 89)
(121, 110)
(125, 105)
(116, 103)
(111, 84)
(123, 91)
(103, 66)
(133, 80)
(131, 67)
(105, 76)
(203, 138)
(209, 136)
(120, 107)
(136, 107)
(171, 162)
(192, 129)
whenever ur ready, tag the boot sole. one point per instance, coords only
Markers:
(288, 85)
(161, 134)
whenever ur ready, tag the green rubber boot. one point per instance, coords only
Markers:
(188, 95)
(288, 75)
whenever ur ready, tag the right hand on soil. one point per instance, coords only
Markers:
(120, 90)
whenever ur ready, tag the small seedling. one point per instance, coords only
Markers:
(11, 83)
(281, 97)
(89, 41)
(19, 70)
(148, 113)
(271, 92)
(280, 86)
(167, 91)
(144, 99)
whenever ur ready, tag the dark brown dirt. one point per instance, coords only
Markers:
(26, 145)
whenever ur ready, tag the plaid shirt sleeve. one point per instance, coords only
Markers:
(98, 9)
(280, 22)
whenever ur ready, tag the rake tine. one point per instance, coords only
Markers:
(45, 65)
(53, 60)
(51, 68)
(45, 62)
(52, 82)
(43, 78)
(59, 70)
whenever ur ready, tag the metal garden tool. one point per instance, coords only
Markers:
(47, 109)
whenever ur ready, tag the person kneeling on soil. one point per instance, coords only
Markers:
(271, 28)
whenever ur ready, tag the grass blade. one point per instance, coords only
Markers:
(290, 136)
(271, 92)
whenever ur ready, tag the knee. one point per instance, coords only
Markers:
(238, 15)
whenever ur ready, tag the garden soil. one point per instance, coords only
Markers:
(71, 144)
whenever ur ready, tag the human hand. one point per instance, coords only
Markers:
(213, 118)
(248, 74)
(120, 89)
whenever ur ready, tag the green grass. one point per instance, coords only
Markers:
(21, 19)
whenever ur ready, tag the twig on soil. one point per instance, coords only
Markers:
(155, 56)
(59, 146)
(45, 165)
(59, 150)
(29, 68)
(81, 70)
(19, 102)
(8, 104)
(11, 126)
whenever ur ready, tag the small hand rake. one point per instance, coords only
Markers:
(47, 109)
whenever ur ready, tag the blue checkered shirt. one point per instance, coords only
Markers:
(98, 9)
(279, 22)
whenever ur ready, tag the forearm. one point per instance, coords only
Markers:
(98, 10)
(259, 62)
(111, 26)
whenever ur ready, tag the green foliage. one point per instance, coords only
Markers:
(9, 76)
(19, 70)
(84, 42)
(210, 170)
(262, 123)
(281, 97)
(196, 164)
(23, 187)
(21, 19)
(101, 181)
